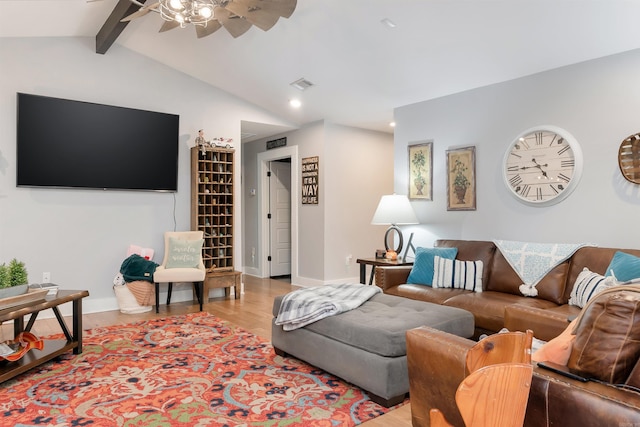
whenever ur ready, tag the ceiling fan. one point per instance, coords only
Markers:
(207, 16)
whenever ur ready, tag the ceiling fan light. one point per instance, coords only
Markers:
(176, 4)
(206, 12)
(179, 18)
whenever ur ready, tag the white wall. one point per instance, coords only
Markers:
(81, 236)
(598, 102)
(355, 171)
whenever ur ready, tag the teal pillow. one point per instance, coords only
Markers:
(184, 253)
(422, 270)
(624, 267)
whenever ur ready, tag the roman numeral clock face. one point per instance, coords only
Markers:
(542, 166)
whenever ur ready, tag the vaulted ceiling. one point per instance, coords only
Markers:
(361, 68)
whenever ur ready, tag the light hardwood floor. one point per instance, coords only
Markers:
(251, 312)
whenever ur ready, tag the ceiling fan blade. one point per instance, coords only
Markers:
(283, 8)
(212, 27)
(236, 25)
(260, 18)
(135, 15)
(168, 25)
(143, 11)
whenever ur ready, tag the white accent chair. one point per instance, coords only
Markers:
(179, 274)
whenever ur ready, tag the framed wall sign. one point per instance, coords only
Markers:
(461, 179)
(277, 143)
(421, 171)
(310, 171)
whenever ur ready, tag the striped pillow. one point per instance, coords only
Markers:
(587, 285)
(453, 273)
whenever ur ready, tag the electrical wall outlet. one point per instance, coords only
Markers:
(46, 277)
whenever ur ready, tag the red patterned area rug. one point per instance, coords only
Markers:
(190, 370)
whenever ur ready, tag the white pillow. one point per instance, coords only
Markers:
(587, 285)
(453, 273)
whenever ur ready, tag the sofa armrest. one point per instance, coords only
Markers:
(389, 277)
(558, 400)
(545, 324)
(436, 362)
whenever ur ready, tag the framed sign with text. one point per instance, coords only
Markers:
(310, 169)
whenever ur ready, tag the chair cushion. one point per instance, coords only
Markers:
(453, 273)
(607, 343)
(558, 349)
(175, 275)
(588, 284)
(422, 270)
(184, 253)
(625, 267)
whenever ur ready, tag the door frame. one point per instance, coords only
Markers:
(263, 207)
(274, 222)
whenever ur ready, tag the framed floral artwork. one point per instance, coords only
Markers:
(461, 179)
(421, 171)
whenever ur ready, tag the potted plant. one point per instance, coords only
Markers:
(460, 181)
(13, 279)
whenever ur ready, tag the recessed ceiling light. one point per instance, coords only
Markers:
(388, 23)
(392, 124)
(295, 103)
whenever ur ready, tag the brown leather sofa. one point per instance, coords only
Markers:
(436, 364)
(604, 349)
(501, 304)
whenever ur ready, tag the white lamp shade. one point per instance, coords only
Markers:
(394, 209)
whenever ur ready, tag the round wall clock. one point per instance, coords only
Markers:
(542, 166)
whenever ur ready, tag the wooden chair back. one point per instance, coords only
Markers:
(495, 396)
(508, 347)
(496, 391)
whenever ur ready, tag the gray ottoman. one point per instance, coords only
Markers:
(367, 346)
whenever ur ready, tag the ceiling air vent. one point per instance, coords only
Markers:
(302, 84)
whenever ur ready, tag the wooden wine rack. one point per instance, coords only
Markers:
(212, 190)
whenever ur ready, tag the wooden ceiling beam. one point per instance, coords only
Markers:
(112, 26)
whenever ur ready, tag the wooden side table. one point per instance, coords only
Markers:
(52, 348)
(222, 279)
(374, 262)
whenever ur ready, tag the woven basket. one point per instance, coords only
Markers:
(629, 158)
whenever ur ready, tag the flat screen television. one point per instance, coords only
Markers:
(74, 144)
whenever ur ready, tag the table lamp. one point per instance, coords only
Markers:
(396, 210)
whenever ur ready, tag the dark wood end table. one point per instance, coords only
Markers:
(52, 348)
(376, 262)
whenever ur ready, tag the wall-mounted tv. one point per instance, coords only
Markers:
(75, 144)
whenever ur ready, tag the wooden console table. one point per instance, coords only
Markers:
(52, 348)
(374, 262)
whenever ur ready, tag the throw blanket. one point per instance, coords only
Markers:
(304, 306)
(144, 292)
(134, 267)
(532, 261)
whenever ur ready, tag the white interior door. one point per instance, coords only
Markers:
(280, 222)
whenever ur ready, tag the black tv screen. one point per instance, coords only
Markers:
(76, 144)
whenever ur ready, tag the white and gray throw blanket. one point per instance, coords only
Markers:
(304, 306)
(532, 261)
